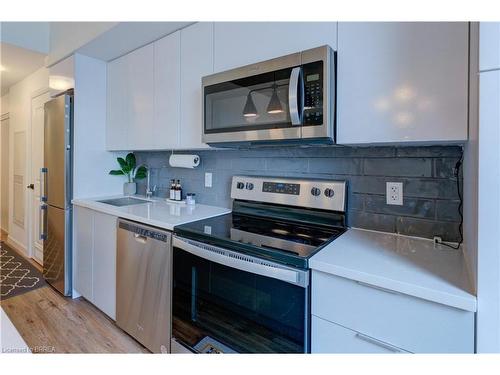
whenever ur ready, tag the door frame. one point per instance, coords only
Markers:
(5, 117)
(29, 159)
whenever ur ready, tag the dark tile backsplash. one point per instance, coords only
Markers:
(430, 193)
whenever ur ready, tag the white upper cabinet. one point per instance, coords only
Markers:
(402, 82)
(117, 105)
(197, 60)
(130, 101)
(140, 77)
(242, 43)
(167, 68)
(489, 40)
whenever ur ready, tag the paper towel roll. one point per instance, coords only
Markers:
(184, 161)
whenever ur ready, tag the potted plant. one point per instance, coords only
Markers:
(128, 168)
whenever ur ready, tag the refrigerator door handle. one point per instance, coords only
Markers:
(42, 221)
(43, 184)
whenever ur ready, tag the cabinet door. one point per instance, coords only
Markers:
(242, 43)
(328, 337)
(117, 122)
(140, 78)
(104, 263)
(197, 53)
(402, 82)
(489, 45)
(167, 91)
(83, 246)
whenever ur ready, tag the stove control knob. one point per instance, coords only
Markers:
(329, 193)
(240, 185)
(315, 191)
(249, 186)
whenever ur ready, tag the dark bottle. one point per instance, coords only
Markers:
(178, 191)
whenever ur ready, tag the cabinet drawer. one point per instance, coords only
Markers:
(407, 322)
(328, 337)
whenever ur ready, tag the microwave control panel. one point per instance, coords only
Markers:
(313, 93)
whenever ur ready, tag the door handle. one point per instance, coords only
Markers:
(295, 96)
(31, 186)
(43, 184)
(42, 221)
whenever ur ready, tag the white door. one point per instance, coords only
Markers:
(37, 133)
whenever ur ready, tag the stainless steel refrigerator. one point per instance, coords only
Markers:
(56, 193)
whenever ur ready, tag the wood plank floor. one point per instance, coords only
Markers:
(49, 322)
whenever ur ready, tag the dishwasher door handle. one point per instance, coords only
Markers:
(141, 239)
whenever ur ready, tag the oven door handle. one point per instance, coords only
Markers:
(295, 96)
(243, 262)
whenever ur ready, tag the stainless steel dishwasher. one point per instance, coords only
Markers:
(143, 284)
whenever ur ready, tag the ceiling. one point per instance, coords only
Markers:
(127, 36)
(17, 63)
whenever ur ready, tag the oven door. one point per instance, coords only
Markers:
(224, 301)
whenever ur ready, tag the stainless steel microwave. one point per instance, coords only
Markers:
(290, 99)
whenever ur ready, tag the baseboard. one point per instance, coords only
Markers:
(17, 246)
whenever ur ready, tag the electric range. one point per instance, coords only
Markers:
(241, 280)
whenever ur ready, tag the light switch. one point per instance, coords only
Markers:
(208, 179)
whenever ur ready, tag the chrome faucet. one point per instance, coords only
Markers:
(149, 191)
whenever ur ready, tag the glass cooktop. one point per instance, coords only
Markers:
(291, 243)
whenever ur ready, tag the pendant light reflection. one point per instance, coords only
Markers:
(250, 110)
(274, 105)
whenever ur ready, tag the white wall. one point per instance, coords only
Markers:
(488, 261)
(4, 104)
(67, 37)
(20, 96)
(91, 162)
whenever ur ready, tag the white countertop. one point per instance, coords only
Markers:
(404, 264)
(158, 213)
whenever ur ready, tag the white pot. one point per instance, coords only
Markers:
(129, 188)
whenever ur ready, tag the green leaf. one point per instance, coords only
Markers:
(131, 160)
(122, 162)
(141, 173)
(116, 172)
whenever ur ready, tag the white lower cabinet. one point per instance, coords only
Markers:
(333, 338)
(384, 318)
(94, 249)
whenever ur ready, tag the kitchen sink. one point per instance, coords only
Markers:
(126, 201)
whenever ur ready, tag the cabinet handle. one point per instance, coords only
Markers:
(376, 342)
(377, 287)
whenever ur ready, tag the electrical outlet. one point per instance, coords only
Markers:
(394, 193)
(208, 179)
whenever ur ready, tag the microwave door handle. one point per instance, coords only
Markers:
(295, 96)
